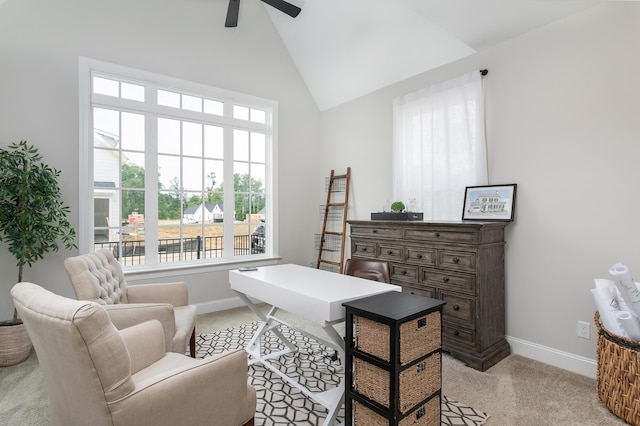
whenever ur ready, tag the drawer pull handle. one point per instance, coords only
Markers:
(456, 333)
(445, 279)
(364, 249)
(437, 235)
(420, 413)
(389, 252)
(456, 260)
(419, 256)
(375, 231)
(421, 367)
(404, 272)
(422, 322)
(456, 307)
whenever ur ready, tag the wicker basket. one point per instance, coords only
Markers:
(618, 375)
(417, 337)
(426, 415)
(416, 382)
(15, 344)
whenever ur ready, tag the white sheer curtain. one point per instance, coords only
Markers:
(439, 146)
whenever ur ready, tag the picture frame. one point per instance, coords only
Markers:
(489, 203)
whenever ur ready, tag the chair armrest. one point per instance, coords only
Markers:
(176, 294)
(125, 315)
(209, 389)
(145, 344)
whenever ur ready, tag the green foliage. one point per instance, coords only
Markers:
(132, 200)
(249, 194)
(168, 207)
(32, 215)
(214, 195)
(398, 206)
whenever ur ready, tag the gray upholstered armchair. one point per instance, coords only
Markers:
(98, 277)
(98, 375)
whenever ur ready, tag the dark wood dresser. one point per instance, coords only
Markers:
(460, 263)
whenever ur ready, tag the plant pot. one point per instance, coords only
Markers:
(15, 345)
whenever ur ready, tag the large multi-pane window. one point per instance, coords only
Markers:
(173, 171)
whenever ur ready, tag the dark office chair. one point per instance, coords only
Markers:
(376, 270)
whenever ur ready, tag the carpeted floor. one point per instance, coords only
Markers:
(515, 392)
(279, 403)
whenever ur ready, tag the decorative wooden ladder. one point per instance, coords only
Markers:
(336, 184)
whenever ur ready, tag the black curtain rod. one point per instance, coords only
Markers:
(484, 72)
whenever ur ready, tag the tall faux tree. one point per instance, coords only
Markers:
(33, 217)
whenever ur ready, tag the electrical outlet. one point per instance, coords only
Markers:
(584, 330)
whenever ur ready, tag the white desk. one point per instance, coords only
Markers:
(313, 294)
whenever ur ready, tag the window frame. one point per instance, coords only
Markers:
(87, 100)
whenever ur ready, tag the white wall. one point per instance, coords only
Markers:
(563, 122)
(40, 42)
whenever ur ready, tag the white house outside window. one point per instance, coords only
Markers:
(173, 171)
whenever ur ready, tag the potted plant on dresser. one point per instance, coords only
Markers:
(33, 220)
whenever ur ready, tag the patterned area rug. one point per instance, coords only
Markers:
(281, 404)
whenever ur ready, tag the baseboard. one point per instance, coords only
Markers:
(565, 360)
(220, 305)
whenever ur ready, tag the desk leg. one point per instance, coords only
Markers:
(338, 393)
(269, 323)
(332, 399)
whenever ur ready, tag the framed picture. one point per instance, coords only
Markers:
(487, 203)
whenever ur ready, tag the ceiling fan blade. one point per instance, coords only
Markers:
(285, 7)
(232, 14)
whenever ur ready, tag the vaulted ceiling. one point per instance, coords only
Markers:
(347, 48)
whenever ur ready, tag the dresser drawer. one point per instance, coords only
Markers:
(450, 281)
(375, 231)
(435, 235)
(420, 291)
(363, 249)
(421, 256)
(458, 260)
(390, 252)
(459, 309)
(404, 273)
(458, 335)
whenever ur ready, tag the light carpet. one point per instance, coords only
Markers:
(281, 404)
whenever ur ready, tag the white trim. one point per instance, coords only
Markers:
(565, 360)
(85, 151)
(222, 305)
(87, 99)
(184, 269)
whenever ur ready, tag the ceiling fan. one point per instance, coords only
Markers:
(281, 5)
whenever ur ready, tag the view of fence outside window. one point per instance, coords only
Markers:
(178, 175)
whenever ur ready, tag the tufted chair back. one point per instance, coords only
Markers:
(97, 277)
